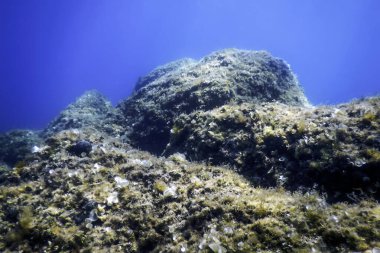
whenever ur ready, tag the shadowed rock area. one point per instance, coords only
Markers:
(247, 165)
(16, 145)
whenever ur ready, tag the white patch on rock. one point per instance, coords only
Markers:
(36, 149)
(121, 182)
(113, 198)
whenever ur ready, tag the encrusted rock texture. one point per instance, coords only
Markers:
(16, 145)
(223, 77)
(333, 148)
(91, 110)
(224, 154)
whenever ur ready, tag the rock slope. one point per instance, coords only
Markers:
(118, 199)
(248, 166)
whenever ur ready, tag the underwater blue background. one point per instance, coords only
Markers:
(53, 51)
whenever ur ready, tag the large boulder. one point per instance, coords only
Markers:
(223, 77)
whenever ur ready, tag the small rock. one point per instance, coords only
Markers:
(81, 147)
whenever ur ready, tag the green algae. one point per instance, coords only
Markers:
(289, 146)
(215, 209)
(263, 177)
(26, 219)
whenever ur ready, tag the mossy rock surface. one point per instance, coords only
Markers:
(246, 165)
(187, 85)
(118, 199)
(91, 110)
(332, 147)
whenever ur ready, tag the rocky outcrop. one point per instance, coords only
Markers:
(165, 70)
(246, 110)
(16, 145)
(334, 148)
(91, 110)
(248, 166)
(223, 77)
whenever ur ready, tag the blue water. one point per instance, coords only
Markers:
(52, 51)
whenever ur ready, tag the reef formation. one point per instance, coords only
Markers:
(224, 154)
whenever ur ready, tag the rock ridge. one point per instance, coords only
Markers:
(223, 77)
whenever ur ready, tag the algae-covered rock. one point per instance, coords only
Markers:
(118, 199)
(222, 77)
(249, 166)
(333, 147)
(91, 110)
(16, 145)
(81, 147)
(165, 70)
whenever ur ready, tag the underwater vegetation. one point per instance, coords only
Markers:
(332, 148)
(219, 155)
(223, 77)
